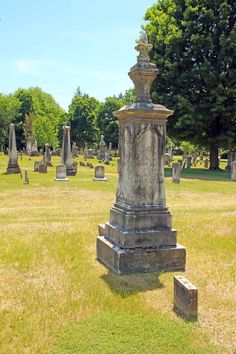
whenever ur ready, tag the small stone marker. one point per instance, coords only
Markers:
(36, 166)
(43, 168)
(99, 173)
(61, 173)
(189, 161)
(176, 171)
(101, 229)
(26, 179)
(185, 297)
(233, 171)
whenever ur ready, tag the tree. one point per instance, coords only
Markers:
(35, 102)
(194, 48)
(81, 116)
(9, 106)
(43, 131)
(106, 122)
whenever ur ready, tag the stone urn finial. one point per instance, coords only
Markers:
(143, 73)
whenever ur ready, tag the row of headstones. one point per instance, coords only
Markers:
(177, 168)
(61, 171)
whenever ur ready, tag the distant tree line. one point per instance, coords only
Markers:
(36, 115)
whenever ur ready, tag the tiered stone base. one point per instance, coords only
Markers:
(140, 260)
(13, 169)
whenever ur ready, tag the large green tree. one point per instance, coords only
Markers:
(81, 116)
(35, 102)
(106, 122)
(9, 106)
(194, 47)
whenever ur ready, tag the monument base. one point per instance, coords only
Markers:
(61, 179)
(140, 260)
(99, 179)
(13, 169)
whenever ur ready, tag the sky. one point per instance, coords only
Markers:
(59, 45)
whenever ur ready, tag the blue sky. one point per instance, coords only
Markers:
(60, 45)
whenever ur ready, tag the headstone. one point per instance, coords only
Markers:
(180, 162)
(139, 237)
(99, 173)
(90, 154)
(189, 161)
(34, 148)
(107, 159)
(47, 156)
(185, 297)
(66, 154)
(102, 149)
(13, 166)
(75, 150)
(36, 166)
(26, 178)
(61, 173)
(233, 171)
(206, 163)
(43, 168)
(110, 152)
(176, 171)
(28, 146)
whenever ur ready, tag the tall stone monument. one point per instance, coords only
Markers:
(13, 166)
(47, 155)
(139, 236)
(102, 149)
(66, 153)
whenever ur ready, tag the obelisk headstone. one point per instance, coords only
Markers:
(13, 166)
(139, 237)
(102, 149)
(47, 156)
(233, 171)
(66, 154)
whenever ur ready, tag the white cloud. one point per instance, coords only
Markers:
(31, 67)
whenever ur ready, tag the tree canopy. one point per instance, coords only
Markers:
(194, 48)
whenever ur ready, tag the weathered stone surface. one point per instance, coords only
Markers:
(43, 168)
(13, 167)
(26, 177)
(189, 161)
(101, 229)
(142, 260)
(66, 154)
(36, 166)
(231, 158)
(61, 173)
(99, 173)
(176, 172)
(102, 149)
(139, 236)
(34, 148)
(47, 156)
(233, 171)
(185, 297)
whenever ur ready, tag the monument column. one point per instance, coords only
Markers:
(13, 166)
(139, 236)
(66, 154)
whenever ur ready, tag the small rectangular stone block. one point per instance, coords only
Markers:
(185, 297)
(126, 261)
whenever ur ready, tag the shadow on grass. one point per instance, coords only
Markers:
(127, 285)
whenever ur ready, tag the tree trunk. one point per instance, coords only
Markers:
(214, 158)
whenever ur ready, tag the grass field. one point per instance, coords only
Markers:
(56, 298)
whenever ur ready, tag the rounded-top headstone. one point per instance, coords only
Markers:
(61, 173)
